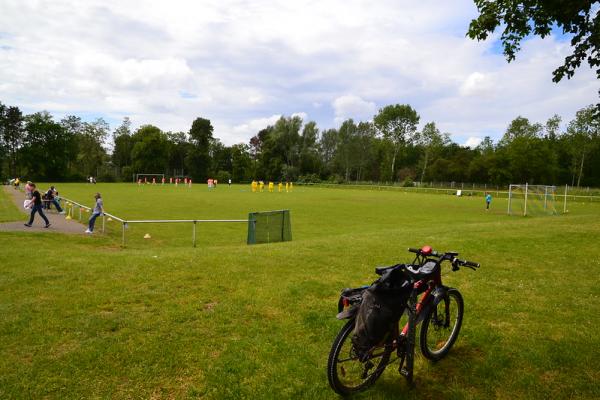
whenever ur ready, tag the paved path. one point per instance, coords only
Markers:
(57, 221)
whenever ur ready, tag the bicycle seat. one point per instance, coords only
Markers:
(418, 272)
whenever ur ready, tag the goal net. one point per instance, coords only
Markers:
(531, 200)
(269, 226)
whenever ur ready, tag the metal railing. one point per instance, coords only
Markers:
(125, 223)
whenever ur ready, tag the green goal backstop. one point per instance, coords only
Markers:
(269, 227)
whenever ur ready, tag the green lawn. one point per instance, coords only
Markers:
(83, 318)
(8, 211)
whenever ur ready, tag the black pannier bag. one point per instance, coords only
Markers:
(382, 306)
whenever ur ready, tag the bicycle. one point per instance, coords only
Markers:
(440, 310)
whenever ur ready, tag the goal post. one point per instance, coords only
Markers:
(526, 199)
(137, 177)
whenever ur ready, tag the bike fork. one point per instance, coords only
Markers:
(407, 369)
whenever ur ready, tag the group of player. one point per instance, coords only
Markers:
(260, 186)
(257, 186)
(176, 181)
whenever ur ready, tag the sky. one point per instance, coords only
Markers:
(242, 64)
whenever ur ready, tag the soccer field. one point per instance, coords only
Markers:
(82, 317)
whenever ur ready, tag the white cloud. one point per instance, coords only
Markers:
(303, 116)
(472, 142)
(477, 84)
(351, 106)
(250, 128)
(237, 61)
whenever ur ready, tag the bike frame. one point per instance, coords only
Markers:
(427, 291)
(417, 307)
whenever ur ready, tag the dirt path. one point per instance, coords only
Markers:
(57, 221)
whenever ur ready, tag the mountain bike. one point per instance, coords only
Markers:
(438, 308)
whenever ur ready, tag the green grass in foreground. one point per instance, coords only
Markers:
(8, 211)
(83, 318)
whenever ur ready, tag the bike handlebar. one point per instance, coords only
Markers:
(471, 264)
(450, 256)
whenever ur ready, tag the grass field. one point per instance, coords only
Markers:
(84, 318)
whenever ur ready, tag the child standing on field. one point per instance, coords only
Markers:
(488, 200)
(98, 210)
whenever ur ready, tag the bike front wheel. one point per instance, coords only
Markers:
(346, 373)
(441, 326)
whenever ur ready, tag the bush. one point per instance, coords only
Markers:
(335, 178)
(223, 176)
(126, 174)
(408, 182)
(309, 178)
(289, 174)
(107, 178)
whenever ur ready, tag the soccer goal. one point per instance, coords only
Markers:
(531, 200)
(147, 178)
(269, 227)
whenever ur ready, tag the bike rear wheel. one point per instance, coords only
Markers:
(441, 326)
(346, 373)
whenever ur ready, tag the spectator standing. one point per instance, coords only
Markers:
(28, 190)
(98, 210)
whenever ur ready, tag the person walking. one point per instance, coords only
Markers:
(488, 200)
(36, 207)
(98, 210)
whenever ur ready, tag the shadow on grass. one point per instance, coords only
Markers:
(446, 379)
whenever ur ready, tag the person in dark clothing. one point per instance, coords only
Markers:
(37, 207)
(51, 197)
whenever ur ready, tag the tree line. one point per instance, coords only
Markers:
(390, 148)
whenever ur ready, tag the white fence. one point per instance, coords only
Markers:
(472, 190)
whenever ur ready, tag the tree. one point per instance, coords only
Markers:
(327, 146)
(90, 151)
(552, 127)
(529, 156)
(522, 18)
(309, 158)
(73, 128)
(364, 148)
(220, 156)
(179, 146)
(286, 143)
(583, 133)
(11, 135)
(431, 140)
(241, 164)
(123, 144)
(44, 147)
(520, 127)
(150, 150)
(198, 159)
(346, 147)
(396, 123)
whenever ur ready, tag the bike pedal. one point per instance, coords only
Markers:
(404, 372)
